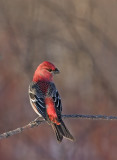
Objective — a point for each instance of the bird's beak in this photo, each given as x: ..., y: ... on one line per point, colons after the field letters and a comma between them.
x: 56, y: 71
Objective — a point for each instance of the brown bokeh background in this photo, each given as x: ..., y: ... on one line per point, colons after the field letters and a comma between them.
x: 80, y: 38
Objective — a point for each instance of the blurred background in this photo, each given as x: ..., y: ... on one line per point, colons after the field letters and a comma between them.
x: 80, y: 38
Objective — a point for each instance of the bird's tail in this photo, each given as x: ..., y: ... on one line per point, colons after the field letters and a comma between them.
x: 61, y: 131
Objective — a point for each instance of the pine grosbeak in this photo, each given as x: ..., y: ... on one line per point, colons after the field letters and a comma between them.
x: 46, y: 101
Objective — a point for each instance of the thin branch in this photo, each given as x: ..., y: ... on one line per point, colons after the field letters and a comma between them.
x: 96, y: 117
x: 37, y: 122
x: 21, y: 129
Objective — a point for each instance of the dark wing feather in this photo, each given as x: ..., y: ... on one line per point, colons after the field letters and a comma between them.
x: 58, y: 105
x: 37, y: 101
x: 40, y: 105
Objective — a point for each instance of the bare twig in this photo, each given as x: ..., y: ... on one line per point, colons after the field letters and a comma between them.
x: 21, y: 129
x: 96, y: 117
x: 37, y: 122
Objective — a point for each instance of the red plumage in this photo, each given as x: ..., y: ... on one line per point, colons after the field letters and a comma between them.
x: 51, y: 110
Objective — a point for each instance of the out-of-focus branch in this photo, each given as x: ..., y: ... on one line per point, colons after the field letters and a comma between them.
x: 37, y: 122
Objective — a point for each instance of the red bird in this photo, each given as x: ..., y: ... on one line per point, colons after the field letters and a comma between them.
x: 46, y: 101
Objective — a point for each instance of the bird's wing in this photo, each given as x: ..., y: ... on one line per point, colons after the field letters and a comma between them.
x: 37, y: 100
x: 57, y: 101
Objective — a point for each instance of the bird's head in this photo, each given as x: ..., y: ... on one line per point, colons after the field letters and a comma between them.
x: 45, y: 71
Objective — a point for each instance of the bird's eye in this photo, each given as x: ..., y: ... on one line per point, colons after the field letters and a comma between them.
x: 49, y: 70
